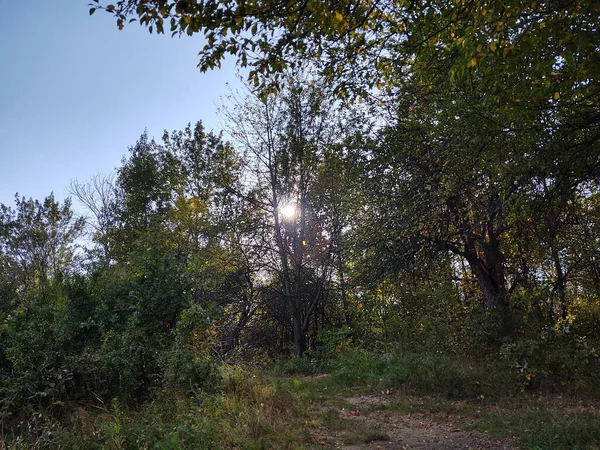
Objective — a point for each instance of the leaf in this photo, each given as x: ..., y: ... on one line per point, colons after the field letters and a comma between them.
x: 556, y: 95
x: 92, y: 11
x: 473, y: 62
x: 110, y: 8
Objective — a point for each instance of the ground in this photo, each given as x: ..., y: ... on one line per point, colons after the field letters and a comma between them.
x: 374, y: 421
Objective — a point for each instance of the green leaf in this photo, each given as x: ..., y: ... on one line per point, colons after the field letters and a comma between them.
x: 92, y: 11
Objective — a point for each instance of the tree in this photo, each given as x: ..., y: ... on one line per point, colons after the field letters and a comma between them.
x: 441, y: 184
x: 464, y: 170
x: 98, y: 196
x: 286, y: 136
x: 38, y: 240
x: 209, y: 172
x: 362, y: 45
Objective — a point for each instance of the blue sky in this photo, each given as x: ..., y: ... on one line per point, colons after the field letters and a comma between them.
x: 75, y: 92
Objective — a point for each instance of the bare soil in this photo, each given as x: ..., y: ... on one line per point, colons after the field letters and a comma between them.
x: 394, y: 430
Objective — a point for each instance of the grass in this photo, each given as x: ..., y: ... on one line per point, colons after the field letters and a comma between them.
x: 362, y: 436
x: 536, y: 423
x: 541, y: 427
x: 480, y: 396
x: 306, y: 411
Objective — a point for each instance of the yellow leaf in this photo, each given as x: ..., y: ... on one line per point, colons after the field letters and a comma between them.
x: 473, y: 62
x: 493, y: 46
x: 556, y: 95
x: 339, y: 17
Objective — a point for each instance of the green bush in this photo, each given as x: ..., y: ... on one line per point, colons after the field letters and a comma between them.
x: 357, y: 366
x: 38, y: 344
x: 426, y: 372
x: 299, y: 366
x: 183, y: 370
x: 553, y: 362
x: 332, y: 341
x: 126, y: 365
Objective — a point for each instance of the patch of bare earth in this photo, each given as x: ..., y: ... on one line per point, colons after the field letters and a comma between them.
x: 402, y: 430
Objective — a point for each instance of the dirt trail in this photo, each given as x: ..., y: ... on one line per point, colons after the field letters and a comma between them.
x: 393, y: 430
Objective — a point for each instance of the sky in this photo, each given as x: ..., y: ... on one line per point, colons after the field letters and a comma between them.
x: 75, y: 93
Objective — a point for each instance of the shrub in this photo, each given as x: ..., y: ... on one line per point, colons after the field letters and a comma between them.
x: 332, y: 341
x: 299, y: 366
x: 126, y: 365
x: 357, y: 366
x: 183, y: 370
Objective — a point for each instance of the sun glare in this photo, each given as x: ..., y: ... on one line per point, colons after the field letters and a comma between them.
x: 288, y: 211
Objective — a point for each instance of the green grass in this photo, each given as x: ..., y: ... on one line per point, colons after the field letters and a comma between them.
x: 537, y: 424
x: 541, y: 427
x: 259, y: 410
x: 361, y: 435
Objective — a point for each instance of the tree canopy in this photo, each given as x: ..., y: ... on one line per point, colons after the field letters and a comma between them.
x: 546, y: 49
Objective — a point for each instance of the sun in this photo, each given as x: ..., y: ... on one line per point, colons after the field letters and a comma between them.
x: 288, y: 211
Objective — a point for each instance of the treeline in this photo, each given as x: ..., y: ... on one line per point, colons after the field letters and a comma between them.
x: 316, y: 230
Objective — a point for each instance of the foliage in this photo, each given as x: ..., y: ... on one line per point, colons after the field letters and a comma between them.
x: 299, y: 366
x: 37, y: 243
x: 332, y: 341
x: 182, y: 369
x: 363, y: 45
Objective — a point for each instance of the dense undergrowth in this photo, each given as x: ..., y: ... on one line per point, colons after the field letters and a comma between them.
x: 252, y: 407
x: 76, y: 374
x: 94, y: 381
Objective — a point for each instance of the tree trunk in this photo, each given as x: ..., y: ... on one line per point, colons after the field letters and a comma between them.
x: 560, y: 283
x: 488, y: 268
x: 299, y: 348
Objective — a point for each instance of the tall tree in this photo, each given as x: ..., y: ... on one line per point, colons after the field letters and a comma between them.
x: 38, y: 240
x: 98, y: 196
x: 286, y: 135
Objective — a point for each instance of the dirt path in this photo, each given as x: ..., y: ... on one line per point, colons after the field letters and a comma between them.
x: 366, y: 422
